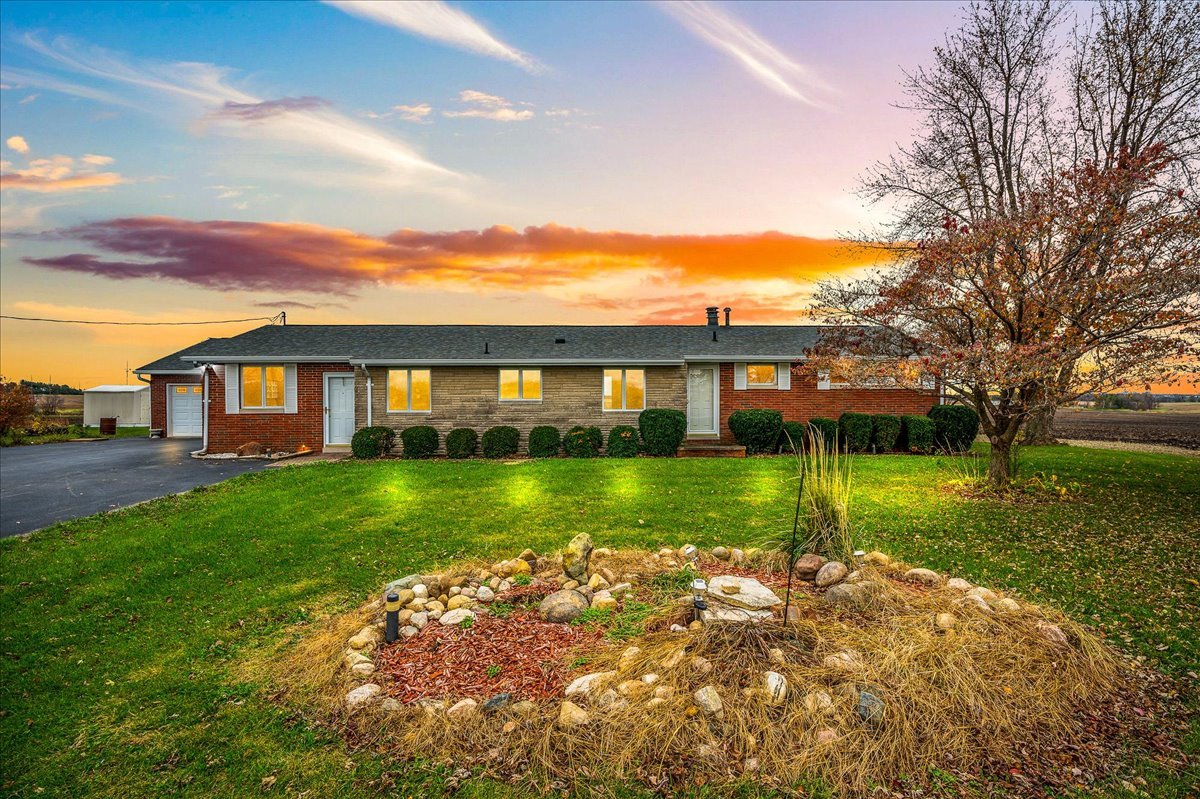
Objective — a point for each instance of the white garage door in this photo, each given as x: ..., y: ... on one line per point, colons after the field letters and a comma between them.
x: 184, y: 411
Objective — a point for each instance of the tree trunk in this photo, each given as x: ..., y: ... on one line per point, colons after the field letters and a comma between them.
x: 1039, y: 430
x: 999, y: 466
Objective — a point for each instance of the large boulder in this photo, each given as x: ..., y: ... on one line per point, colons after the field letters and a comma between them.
x: 563, y: 606
x: 831, y: 573
x: 807, y: 566
x: 575, y: 557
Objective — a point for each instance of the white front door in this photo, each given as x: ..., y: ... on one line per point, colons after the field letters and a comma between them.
x: 185, y: 411
x: 702, y: 399
x: 339, y: 409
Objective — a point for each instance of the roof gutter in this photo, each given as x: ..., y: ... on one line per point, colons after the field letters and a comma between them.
x: 515, y: 361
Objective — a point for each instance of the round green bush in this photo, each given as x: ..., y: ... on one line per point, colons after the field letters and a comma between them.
x: 373, y: 442
x: 757, y: 429
x: 663, y: 430
x: 623, y: 442
x: 916, y: 434
x: 544, y: 442
x: 954, y: 427
x: 791, y: 437
x: 856, y: 431
x: 500, y: 442
x: 583, y: 442
x: 461, y: 442
x: 885, y: 429
x: 420, y: 441
x: 827, y: 429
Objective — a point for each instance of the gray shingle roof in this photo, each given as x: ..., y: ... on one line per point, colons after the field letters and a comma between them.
x: 501, y: 343
x: 173, y: 362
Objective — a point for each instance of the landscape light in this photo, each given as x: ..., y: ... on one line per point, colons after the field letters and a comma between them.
x: 858, y: 557
x: 698, y: 603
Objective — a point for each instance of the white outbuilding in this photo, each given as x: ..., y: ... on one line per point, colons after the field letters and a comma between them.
x: 129, y: 404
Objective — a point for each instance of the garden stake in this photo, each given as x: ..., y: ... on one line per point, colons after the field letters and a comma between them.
x: 787, y: 597
x: 393, y: 618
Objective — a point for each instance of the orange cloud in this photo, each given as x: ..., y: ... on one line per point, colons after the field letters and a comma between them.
x: 302, y: 257
x: 96, y: 180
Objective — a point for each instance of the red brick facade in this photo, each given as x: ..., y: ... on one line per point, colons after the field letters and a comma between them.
x: 158, y: 397
x: 274, y: 429
x: 804, y: 400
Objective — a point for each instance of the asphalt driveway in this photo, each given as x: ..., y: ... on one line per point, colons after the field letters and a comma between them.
x: 48, y: 483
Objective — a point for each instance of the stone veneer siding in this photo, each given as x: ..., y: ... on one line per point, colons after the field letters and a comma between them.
x: 468, y: 396
x: 158, y: 397
x: 274, y: 429
x: 805, y: 401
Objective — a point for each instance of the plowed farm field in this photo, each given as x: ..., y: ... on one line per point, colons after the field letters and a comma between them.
x: 1171, y: 426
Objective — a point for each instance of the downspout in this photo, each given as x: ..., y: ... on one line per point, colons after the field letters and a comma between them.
x: 204, y: 402
x: 368, y: 371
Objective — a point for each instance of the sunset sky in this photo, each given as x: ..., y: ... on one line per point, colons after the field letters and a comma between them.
x: 430, y: 163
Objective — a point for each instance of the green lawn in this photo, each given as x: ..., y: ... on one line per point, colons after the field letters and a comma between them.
x: 123, y: 635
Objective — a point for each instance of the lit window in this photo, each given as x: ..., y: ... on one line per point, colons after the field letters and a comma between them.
x: 180, y: 389
x: 408, y: 390
x: 262, y: 386
x: 624, y: 389
x: 520, y: 384
x: 760, y: 374
x: 197, y: 390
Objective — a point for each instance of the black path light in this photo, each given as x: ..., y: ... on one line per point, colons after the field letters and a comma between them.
x: 393, y: 617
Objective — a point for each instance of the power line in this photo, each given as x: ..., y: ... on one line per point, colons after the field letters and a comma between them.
x: 274, y: 318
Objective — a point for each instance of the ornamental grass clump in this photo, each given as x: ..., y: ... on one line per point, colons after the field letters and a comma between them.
x: 825, y: 501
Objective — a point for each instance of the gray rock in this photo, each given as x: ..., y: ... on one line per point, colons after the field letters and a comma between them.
x: 418, y: 620
x: 870, y: 708
x: 709, y: 700
x: 848, y: 594
x: 720, y: 553
x: 484, y: 594
x: 497, y: 703
x: 575, y: 557
x: 563, y: 606
x: 363, y: 695
x: 582, y: 686
x: 409, y: 631
x: 831, y: 573
x: 924, y: 576
x: 406, y: 583
x: 750, y: 593
x: 456, y: 616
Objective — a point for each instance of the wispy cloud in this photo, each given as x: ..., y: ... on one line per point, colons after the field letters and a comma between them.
x: 758, y: 57
x: 440, y: 22
x: 414, y: 113
x: 203, y: 93
x: 59, y: 173
x: 18, y: 144
x: 489, y: 106
x: 569, y: 265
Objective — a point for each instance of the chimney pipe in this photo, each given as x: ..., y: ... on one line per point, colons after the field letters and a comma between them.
x: 712, y: 316
x: 727, y: 310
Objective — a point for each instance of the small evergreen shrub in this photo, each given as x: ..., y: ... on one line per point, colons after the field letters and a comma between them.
x: 916, y: 434
x: 885, y: 429
x: 583, y: 442
x: 826, y: 428
x: 663, y: 430
x: 623, y: 442
x: 500, y: 442
x: 420, y: 441
x: 791, y: 437
x: 373, y: 442
x: 461, y: 442
x: 856, y: 431
x: 954, y: 427
x: 544, y: 442
x: 756, y: 429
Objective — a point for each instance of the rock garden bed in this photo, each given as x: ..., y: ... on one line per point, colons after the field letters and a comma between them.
x: 592, y: 665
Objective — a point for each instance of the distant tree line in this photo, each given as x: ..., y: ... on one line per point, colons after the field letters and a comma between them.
x: 38, y: 387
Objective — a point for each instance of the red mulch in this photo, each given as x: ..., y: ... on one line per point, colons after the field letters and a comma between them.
x: 537, y: 590
x: 452, y: 661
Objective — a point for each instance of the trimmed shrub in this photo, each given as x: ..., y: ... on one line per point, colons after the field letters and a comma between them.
x: 461, y: 442
x: 756, y: 429
x: 500, y: 442
x: 954, y: 427
x: 583, y: 442
x: 373, y: 442
x: 916, y: 434
x: 420, y: 441
x: 791, y: 437
x: 856, y: 431
x: 623, y: 442
x: 544, y: 442
x: 885, y: 429
x: 827, y: 428
x: 663, y: 430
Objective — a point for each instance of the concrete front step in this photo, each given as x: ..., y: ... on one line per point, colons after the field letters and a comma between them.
x: 710, y: 448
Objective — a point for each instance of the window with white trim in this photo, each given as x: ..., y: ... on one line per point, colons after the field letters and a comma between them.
x: 624, y: 389
x: 408, y: 391
x: 761, y: 374
x: 262, y: 387
x: 520, y: 384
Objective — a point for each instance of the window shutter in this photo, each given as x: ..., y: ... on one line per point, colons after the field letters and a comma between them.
x: 233, y: 388
x: 783, y: 376
x: 289, y: 388
x: 739, y: 376
x: 823, y: 381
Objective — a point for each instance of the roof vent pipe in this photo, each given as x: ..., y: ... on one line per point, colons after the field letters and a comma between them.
x: 727, y: 310
x: 712, y: 316
x: 485, y: 348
